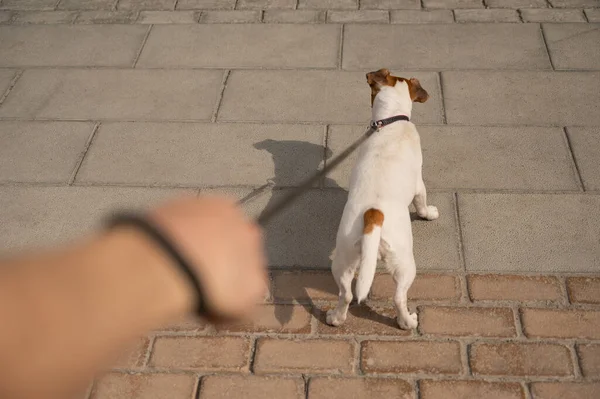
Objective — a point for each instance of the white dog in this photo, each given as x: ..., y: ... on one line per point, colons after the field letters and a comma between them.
x: 385, y: 180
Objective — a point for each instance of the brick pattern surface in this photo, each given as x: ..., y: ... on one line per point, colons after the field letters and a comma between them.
x: 112, y: 103
x: 462, y: 341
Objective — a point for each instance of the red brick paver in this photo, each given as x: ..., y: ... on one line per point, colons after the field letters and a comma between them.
x: 304, y: 356
x: 506, y: 336
x: 482, y: 322
x: 251, y: 387
x: 492, y: 287
x: 521, y: 359
x: 145, y: 386
x: 206, y: 353
x: 470, y: 389
x: 584, y: 289
x: 408, y: 357
x: 359, y: 388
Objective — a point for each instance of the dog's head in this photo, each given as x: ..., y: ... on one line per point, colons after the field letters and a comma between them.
x: 383, y: 80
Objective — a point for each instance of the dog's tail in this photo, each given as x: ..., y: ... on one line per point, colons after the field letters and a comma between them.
x: 373, y: 222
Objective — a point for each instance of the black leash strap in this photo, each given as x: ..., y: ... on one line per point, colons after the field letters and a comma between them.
x: 155, y: 234
x: 270, y: 212
x: 289, y: 198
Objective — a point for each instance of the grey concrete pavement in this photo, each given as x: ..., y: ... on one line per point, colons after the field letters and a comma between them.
x: 111, y: 104
x: 105, y: 102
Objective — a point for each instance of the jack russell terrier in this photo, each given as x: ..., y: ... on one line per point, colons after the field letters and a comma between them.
x: 386, y: 178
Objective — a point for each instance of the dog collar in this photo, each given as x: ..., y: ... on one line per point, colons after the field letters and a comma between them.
x: 384, y: 122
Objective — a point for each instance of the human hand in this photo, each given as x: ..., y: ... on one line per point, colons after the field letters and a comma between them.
x: 224, y: 248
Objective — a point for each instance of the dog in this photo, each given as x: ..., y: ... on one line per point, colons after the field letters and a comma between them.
x: 386, y: 178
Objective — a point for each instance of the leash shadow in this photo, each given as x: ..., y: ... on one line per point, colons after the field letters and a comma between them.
x: 303, y: 235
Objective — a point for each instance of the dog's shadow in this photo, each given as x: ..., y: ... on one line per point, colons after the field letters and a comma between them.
x: 306, y: 230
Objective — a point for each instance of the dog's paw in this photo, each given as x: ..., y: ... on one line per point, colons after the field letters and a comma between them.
x: 334, y: 318
x: 432, y: 213
x: 411, y: 322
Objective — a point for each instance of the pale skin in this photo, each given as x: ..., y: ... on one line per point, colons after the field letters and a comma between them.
x: 67, y: 314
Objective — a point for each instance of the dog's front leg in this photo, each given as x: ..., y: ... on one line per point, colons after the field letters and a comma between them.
x: 425, y: 211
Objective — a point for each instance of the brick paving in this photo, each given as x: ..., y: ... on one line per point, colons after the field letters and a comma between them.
x: 107, y: 103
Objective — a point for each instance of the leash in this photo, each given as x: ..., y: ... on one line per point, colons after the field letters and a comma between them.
x: 288, y: 199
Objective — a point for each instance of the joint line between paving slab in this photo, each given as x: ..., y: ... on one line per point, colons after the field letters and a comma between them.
x: 577, y: 369
x: 139, y: 53
x: 564, y: 288
x: 526, y: 390
x: 215, y: 113
x: 252, y: 354
x: 465, y: 348
x: 574, y: 163
x: 12, y: 84
x: 198, y: 387
x: 83, y: 154
x: 306, y: 379
x: 146, y: 360
x: 461, y: 251
x: 517, y: 321
x: 546, y: 47
x: 341, y: 47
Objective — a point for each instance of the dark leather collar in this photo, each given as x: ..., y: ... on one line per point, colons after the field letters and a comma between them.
x: 384, y: 122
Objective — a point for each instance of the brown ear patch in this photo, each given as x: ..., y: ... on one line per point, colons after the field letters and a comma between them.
x: 417, y: 93
x: 373, y: 217
x: 382, y: 77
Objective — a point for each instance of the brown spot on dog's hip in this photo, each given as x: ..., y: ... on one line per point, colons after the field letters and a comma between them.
x: 373, y: 217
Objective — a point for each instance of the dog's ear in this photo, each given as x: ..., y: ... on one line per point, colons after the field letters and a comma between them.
x: 417, y: 93
x: 380, y: 77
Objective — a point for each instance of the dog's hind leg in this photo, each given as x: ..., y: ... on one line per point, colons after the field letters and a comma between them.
x: 425, y: 211
x: 343, y: 268
x: 403, y: 270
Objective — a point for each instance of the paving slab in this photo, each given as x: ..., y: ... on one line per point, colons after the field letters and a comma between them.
x: 203, y: 154
x: 114, y: 94
x: 304, y: 235
x: 146, y: 4
x: 206, y: 4
x: 497, y: 158
x: 586, y: 148
x: 446, y: 46
x: 43, y: 216
x: 531, y: 232
x: 333, y: 4
x: 552, y: 15
x: 86, y: 4
x: 41, y: 151
x: 67, y: 45
x: 390, y: 4
x: 573, y: 46
x: 265, y: 4
x: 520, y: 97
x: 28, y: 4
x: 313, y: 96
x: 242, y: 46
